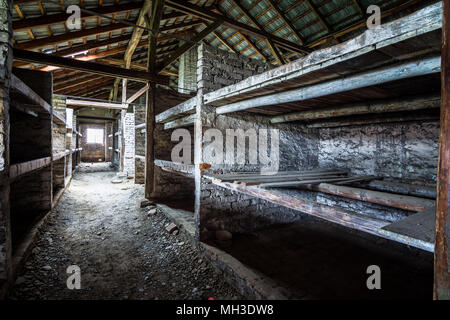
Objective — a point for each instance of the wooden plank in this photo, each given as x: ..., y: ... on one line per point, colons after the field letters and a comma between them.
x: 19, y: 169
x: 95, y: 104
x: 402, y: 188
x: 382, y: 198
x: 182, y: 122
x: 153, y: 24
x: 419, y: 23
x: 289, y: 184
x: 398, y: 72
x: 242, y: 175
x: 58, y: 118
x: 284, y: 177
x: 332, y: 214
x: 86, y: 66
x: 396, y: 105
x: 374, y: 120
x: 417, y: 230
x: 175, y: 166
x: 442, y: 228
x: 138, y: 93
x: 20, y: 87
x: 180, y: 110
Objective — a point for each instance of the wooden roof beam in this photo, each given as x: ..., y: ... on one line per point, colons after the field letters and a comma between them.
x: 54, y: 40
x: 62, y: 17
x: 191, y: 43
x: 286, y: 21
x: 86, y: 66
x: 276, y: 54
x: 205, y: 14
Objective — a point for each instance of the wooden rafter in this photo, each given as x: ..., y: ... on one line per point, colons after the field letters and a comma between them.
x: 191, y: 43
x: 86, y: 66
x: 62, y: 17
x: 285, y: 20
x: 201, y: 13
x: 270, y: 44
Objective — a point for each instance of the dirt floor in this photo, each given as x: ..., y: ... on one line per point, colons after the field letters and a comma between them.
x: 122, y: 251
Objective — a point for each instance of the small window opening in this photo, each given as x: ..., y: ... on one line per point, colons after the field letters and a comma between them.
x: 95, y: 136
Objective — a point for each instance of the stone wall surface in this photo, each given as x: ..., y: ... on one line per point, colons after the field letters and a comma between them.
x: 6, y: 35
x: 403, y: 152
x: 129, y: 136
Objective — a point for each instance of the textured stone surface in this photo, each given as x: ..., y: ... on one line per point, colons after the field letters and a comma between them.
x: 129, y: 136
x: 405, y: 152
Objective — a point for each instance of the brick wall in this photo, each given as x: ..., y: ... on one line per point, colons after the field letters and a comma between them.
x: 129, y: 136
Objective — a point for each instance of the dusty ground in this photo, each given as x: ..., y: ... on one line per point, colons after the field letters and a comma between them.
x: 123, y: 252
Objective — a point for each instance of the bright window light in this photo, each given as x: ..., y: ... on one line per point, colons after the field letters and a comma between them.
x: 95, y: 136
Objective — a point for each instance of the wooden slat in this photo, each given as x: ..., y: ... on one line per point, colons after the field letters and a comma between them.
x: 382, y: 198
x: 364, y: 79
x: 416, y: 230
x: 20, y: 87
x: 175, y: 166
x: 19, y: 169
x: 332, y: 214
x: 389, y: 35
x: 180, y: 110
x: 289, y: 184
x: 181, y: 122
x: 363, y: 108
x: 95, y: 104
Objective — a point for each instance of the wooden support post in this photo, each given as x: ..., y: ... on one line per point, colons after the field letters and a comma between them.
x: 122, y: 127
x: 153, y: 24
x: 442, y: 230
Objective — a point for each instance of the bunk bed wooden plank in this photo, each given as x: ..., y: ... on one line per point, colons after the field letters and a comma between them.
x: 243, y: 175
x: 332, y: 214
x: 175, y: 166
x: 401, y: 188
x: 58, y: 118
x: 18, y: 169
x: 383, y: 198
x: 181, y: 122
x: 276, y: 179
x: 179, y: 110
x: 416, y: 230
x: 294, y: 74
x: 20, y: 87
x: 289, y: 184
x: 406, y: 70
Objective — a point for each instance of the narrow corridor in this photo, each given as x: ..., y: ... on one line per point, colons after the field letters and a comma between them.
x: 123, y: 252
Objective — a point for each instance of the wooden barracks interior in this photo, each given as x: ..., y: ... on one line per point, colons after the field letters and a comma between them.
x: 109, y: 110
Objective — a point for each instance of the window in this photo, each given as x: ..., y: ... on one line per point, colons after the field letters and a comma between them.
x: 95, y: 136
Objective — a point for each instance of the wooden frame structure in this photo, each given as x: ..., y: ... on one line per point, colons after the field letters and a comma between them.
x: 255, y: 94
